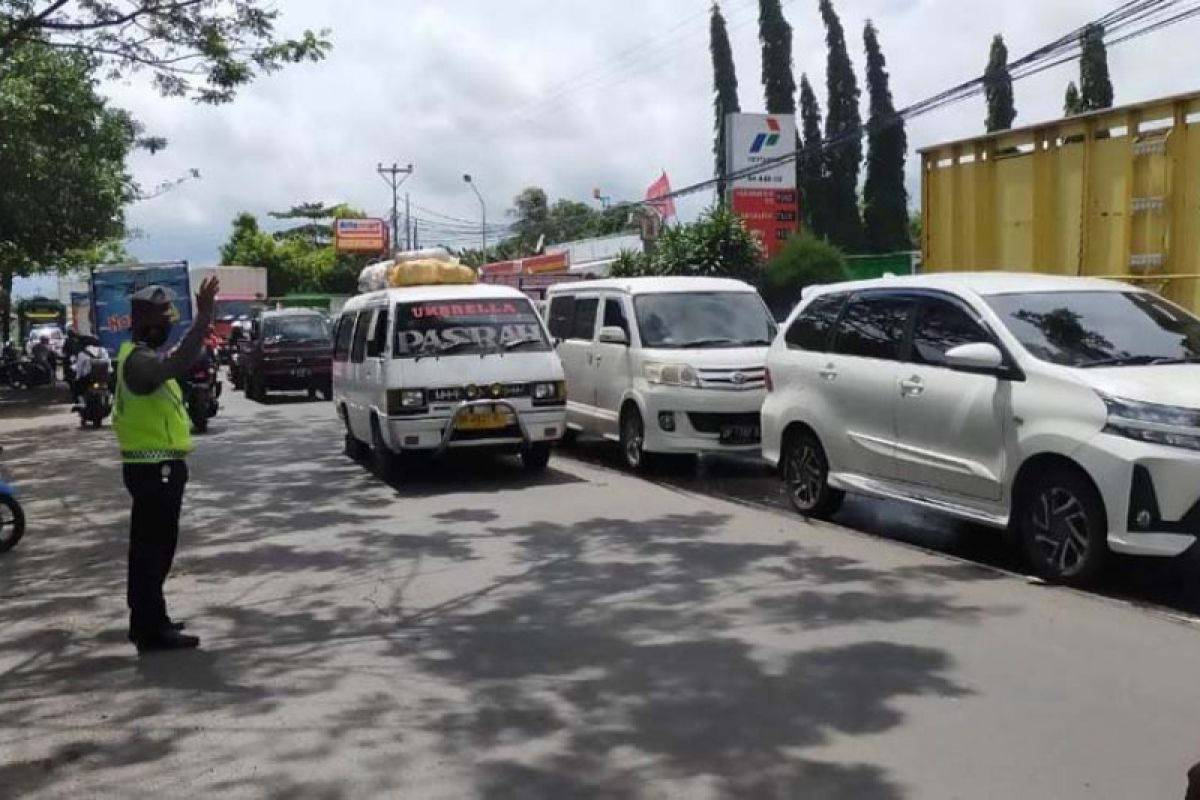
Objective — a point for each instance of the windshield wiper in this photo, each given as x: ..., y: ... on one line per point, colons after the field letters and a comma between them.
x: 1138, y: 361
x: 714, y: 342
x: 515, y: 343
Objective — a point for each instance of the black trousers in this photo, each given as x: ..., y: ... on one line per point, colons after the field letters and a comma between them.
x: 157, y: 491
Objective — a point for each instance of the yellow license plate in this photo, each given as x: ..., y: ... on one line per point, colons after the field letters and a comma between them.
x: 482, y: 422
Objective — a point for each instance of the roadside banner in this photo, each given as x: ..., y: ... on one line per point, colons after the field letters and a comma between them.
x: 360, y: 236
x: 111, y: 292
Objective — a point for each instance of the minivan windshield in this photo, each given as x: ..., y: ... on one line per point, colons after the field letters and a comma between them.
x: 1100, y: 329
x: 295, y: 329
x: 465, y: 327
x: 699, y: 320
x: 229, y: 310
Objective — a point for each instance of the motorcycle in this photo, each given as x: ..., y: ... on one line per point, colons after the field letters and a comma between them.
x: 26, y: 373
x: 95, y: 389
x: 12, y: 518
x: 203, y: 391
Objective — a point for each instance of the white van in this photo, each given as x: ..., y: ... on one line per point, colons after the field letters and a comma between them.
x: 663, y: 365
x: 429, y: 368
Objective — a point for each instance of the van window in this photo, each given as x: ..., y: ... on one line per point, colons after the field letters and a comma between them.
x: 377, y: 345
x: 584, y: 324
x: 703, y: 320
x: 614, y: 315
x: 345, y: 330
x: 562, y: 315
x: 873, y: 327
x: 813, y: 329
x: 361, y: 330
x: 468, y: 327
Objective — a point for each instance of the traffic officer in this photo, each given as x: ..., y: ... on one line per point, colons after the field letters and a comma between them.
x: 154, y: 431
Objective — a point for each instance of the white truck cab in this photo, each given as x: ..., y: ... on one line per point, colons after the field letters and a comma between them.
x: 432, y: 368
x: 671, y: 365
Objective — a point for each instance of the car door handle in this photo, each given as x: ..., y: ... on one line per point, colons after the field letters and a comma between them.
x: 829, y: 373
x: 912, y: 387
x: 591, y: 359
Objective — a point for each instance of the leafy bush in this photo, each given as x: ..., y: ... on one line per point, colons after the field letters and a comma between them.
x: 716, y: 245
x: 630, y: 264
x: 804, y: 261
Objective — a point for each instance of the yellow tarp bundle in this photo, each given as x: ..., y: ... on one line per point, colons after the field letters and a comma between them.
x: 429, y: 272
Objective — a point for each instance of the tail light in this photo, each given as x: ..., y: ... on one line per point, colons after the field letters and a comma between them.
x: 767, y: 378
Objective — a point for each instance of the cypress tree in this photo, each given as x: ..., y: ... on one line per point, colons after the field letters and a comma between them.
x: 725, y: 90
x: 885, y: 199
x: 1072, y: 104
x: 998, y: 86
x: 811, y: 174
x: 1095, y: 86
x: 842, y: 125
x: 775, y: 34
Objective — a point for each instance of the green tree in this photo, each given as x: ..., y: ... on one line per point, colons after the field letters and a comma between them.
x: 725, y: 91
x: 1095, y: 85
x: 630, y: 264
x: 842, y: 126
x: 998, y: 88
x: 63, y: 180
x: 1072, y: 103
x: 715, y: 245
x: 775, y: 35
x: 204, y: 49
x: 319, y: 228
x: 811, y: 178
x: 805, y: 260
x: 885, y: 198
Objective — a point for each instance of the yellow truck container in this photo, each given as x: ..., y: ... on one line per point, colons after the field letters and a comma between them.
x: 1112, y: 194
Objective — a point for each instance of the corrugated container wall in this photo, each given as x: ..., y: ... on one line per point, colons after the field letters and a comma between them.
x: 1113, y: 194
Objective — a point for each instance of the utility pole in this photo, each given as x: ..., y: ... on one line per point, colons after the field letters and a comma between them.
x: 408, y: 233
x: 467, y: 179
x: 392, y: 177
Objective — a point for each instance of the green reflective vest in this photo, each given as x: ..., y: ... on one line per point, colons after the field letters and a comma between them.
x: 150, y: 427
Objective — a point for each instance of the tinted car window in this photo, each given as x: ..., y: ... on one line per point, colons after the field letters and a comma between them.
x: 813, y: 329
x: 941, y: 327
x: 584, y: 325
x: 295, y: 329
x: 873, y: 327
x: 704, y: 320
x: 1100, y: 329
x: 614, y: 315
x: 562, y: 316
x: 341, y: 348
x: 361, y: 331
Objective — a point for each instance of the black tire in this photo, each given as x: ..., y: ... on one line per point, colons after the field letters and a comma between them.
x: 97, y: 422
x: 570, y: 437
x: 384, y: 463
x: 200, y: 423
x: 12, y: 523
x: 327, y: 394
x: 536, y: 457
x: 1063, y: 526
x: 806, y: 477
x: 312, y: 395
x: 633, y: 439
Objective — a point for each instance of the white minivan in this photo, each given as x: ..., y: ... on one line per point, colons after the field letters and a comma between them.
x: 670, y: 365
x: 1064, y: 409
x: 425, y: 369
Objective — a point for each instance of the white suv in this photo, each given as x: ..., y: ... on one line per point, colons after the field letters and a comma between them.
x: 1066, y: 410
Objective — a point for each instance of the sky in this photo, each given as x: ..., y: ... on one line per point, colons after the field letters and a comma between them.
x: 568, y: 95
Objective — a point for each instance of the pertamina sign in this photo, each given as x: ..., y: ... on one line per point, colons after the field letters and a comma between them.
x: 767, y: 200
x: 360, y: 236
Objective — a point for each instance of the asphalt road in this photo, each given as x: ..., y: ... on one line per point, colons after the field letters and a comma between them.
x: 474, y: 632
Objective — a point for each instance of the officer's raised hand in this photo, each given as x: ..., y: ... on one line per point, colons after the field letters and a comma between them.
x: 206, y: 298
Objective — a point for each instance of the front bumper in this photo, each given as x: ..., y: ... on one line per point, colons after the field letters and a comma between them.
x: 439, y: 431
x: 1151, y: 493
x: 699, y: 415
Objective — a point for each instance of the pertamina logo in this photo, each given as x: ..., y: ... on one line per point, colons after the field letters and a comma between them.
x: 768, y: 139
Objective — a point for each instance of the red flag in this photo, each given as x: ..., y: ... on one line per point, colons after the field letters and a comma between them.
x: 658, y: 197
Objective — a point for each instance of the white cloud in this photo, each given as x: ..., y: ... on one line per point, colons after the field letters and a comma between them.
x: 567, y: 95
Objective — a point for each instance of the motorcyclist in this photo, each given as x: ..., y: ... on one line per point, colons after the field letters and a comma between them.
x: 43, y: 357
x: 72, y: 346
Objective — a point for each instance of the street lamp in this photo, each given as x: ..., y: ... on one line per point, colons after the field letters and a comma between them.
x: 482, y: 211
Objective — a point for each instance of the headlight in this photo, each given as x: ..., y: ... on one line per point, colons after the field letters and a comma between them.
x: 546, y: 391
x: 1153, y: 423
x: 412, y: 398
x: 672, y: 375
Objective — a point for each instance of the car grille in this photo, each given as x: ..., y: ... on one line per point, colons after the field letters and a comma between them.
x: 735, y: 379
x: 713, y: 423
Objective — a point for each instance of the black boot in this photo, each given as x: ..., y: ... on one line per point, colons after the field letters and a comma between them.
x: 169, y: 639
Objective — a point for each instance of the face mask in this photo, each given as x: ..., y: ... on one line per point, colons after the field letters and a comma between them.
x: 155, y: 336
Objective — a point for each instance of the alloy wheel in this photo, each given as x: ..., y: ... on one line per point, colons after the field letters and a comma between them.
x: 1060, y: 530
x: 634, y: 440
x: 805, y: 476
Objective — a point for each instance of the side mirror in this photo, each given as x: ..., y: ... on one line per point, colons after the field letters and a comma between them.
x: 614, y: 335
x: 978, y: 357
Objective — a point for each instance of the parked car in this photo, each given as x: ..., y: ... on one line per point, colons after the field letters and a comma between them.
x: 53, y: 333
x: 1066, y: 410
x: 425, y: 369
x: 663, y: 365
x: 288, y: 350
